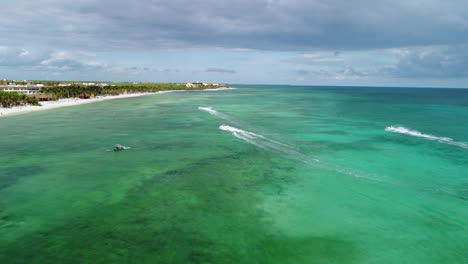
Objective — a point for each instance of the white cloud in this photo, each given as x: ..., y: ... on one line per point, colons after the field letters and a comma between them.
x: 430, y: 62
x: 71, y: 61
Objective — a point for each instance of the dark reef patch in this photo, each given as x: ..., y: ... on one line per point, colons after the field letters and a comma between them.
x: 10, y: 176
x: 205, y: 212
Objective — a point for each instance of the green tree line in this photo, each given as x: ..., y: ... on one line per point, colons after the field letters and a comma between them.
x: 8, y: 99
x: 88, y: 91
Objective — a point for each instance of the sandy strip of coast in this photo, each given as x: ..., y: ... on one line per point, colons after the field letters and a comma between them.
x: 4, y: 112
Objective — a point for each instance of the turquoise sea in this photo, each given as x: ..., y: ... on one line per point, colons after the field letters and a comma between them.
x: 258, y: 174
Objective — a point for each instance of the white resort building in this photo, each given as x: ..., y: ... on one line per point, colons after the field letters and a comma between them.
x: 194, y: 84
x: 22, y: 89
x: 199, y: 84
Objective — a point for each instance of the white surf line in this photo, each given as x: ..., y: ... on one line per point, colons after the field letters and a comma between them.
x: 414, y: 133
x: 213, y: 89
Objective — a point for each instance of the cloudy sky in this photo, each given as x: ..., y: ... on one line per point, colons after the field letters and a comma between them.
x: 316, y: 42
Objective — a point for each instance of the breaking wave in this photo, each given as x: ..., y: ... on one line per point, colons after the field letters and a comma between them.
x: 414, y: 133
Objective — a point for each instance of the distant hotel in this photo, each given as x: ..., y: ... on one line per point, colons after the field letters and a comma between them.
x: 28, y: 88
x: 23, y: 89
x: 199, y: 84
x: 33, y: 89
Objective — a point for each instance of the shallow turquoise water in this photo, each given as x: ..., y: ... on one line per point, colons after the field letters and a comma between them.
x: 294, y: 175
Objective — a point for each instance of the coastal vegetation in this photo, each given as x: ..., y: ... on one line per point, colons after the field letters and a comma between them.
x: 86, y: 91
x: 8, y: 99
x: 30, y: 92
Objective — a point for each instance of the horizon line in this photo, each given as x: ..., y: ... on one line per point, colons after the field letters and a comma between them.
x: 272, y: 84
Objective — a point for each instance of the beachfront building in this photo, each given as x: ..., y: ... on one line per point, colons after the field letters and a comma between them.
x: 43, y: 97
x: 194, y: 84
x: 93, y: 84
x: 199, y: 84
x: 22, y: 89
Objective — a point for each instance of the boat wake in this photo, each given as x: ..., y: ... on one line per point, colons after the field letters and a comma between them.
x: 414, y: 133
x: 261, y: 141
x: 211, y: 111
x: 283, y: 149
x: 208, y: 109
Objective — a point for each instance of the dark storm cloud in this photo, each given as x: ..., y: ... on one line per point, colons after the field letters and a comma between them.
x: 320, y: 29
x: 252, y: 24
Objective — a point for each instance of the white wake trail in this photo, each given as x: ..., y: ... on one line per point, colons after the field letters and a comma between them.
x: 260, y: 140
x: 208, y: 109
x: 285, y: 150
x: 289, y: 152
x: 211, y: 111
x: 415, y: 133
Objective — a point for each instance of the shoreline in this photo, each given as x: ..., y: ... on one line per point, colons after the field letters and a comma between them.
x: 17, y: 110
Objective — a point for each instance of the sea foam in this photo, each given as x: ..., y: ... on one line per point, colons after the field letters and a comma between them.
x: 415, y: 133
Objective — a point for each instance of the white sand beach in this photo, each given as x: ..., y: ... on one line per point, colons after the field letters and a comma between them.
x: 16, y: 110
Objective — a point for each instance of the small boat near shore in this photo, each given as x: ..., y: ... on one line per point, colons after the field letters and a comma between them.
x: 119, y: 147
